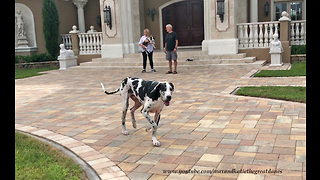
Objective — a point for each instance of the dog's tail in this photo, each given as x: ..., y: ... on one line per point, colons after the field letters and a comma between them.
x: 108, y: 93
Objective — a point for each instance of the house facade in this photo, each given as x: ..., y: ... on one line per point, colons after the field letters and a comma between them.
x: 195, y: 21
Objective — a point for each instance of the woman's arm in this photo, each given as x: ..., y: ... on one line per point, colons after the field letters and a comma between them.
x: 140, y: 43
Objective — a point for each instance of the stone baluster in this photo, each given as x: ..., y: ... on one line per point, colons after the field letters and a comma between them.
x: 297, y: 34
x: 64, y: 39
x: 92, y: 37
x: 94, y: 43
x: 85, y: 44
x: 292, y: 34
x: 69, y: 43
x: 81, y: 44
x: 250, y: 36
x: 240, y: 36
x: 266, y: 38
x: 97, y: 42
x: 302, y: 33
x: 255, y: 36
x: 260, y: 35
x: 245, y: 36
x: 276, y: 29
x: 89, y: 43
x: 270, y: 32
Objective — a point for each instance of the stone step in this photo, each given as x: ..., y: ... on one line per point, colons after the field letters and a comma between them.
x: 183, y: 55
x: 163, y: 62
x: 256, y: 64
x: 161, y: 53
x: 180, y: 58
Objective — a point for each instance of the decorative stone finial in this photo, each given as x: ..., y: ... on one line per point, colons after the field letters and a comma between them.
x: 285, y: 16
x: 74, y: 29
x: 92, y: 30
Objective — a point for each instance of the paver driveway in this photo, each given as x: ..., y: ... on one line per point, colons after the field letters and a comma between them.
x: 204, y: 127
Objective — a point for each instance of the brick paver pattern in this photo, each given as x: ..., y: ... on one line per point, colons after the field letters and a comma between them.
x: 204, y: 128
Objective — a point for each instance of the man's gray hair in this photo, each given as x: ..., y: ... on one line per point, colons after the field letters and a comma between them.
x: 169, y: 25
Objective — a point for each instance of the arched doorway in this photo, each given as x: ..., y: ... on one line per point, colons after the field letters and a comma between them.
x: 187, y: 19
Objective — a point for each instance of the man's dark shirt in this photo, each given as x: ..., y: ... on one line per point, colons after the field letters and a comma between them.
x: 171, y: 40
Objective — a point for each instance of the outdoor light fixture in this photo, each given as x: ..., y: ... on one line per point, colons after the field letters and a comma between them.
x: 266, y: 9
x: 152, y: 13
x: 107, y: 16
x: 220, y: 9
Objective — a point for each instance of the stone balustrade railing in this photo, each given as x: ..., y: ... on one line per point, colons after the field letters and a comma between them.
x: 66, y: 40
x: 298, y: 32
x: 256, y: 35
x: 90, y: 43
x: 259, y: 35
x: 83, y: 43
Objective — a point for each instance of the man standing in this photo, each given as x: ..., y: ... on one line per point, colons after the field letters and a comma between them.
x: 170, y: 48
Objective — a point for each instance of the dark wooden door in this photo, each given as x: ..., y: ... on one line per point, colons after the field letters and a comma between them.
x: 187, y: 19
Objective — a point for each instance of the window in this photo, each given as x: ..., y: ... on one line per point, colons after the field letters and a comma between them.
x: 296, y: 11
x: 293, y: 8
x: 280, y: 7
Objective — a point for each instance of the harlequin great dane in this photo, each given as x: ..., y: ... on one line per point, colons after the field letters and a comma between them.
x: 144, y: 93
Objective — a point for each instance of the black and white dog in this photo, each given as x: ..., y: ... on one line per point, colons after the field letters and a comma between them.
x: 146, y: 93
x: 151, y: 41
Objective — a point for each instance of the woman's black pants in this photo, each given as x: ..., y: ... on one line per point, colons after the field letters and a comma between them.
x: 144, y: 54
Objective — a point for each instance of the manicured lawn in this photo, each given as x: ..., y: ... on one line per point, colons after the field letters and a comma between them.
x: 297, y: 69
x: 288, y: 93
x: 24, y: 73
x: 37, y: 160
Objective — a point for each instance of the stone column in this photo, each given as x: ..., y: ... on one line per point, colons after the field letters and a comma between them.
x: 285, y: 36
x: 80, y: 4
x: 111, y: 46
x: 126, y: 26
x: 75, y: 40
x: 253, y: 11
x: 220, y: 37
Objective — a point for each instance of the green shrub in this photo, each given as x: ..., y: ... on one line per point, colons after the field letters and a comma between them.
x: 51, y: 23
x: 299, y: 49
x: 35, y: 58
x: 16, y: 60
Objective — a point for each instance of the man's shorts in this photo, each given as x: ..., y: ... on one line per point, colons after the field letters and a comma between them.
x: 171, y: 55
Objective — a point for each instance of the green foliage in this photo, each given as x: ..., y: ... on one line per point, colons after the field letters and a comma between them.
x: 37, y: 160
x: 35, y: 58
x: 288, y: 93
x: 24, y: 73
x: 299, y: 49
x: 297, y: 69
x: 51, y: 23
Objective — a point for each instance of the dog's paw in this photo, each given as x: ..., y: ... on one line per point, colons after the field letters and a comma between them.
x: 125, y: 132
x: 156, y: 143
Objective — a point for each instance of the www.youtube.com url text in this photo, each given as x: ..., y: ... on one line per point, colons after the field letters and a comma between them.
x: 212, y: 171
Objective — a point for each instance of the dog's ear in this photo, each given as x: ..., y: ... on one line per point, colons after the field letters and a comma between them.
x: 158, y: 87
x: 171, y: 86
x: 161, y: 86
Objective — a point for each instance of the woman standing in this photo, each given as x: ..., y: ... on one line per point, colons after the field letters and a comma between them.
x: 147, y: 50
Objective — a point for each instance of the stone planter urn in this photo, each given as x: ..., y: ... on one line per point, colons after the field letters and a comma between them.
x: 66, y: 58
